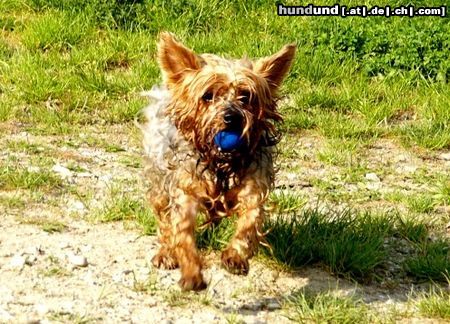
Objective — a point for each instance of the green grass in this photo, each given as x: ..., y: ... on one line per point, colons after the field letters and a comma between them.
x: 421, y: 203
x: 47, y: 225
x: 309, y: 307
x: 12, y: 178
x: 83, y: 62
x: 435, y: 304
x: 431, y: 261
x: 215, y: 237
x: 13, y: 202
x: 412, y: 229
x: 284, y: 201
x: 347, y: 243
x: 122, y: 207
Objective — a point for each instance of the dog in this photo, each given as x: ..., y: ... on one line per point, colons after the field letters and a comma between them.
x: 190, y: 169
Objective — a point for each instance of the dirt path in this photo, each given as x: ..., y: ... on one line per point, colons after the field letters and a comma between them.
x: 40, y: 279
x: 81, y: 271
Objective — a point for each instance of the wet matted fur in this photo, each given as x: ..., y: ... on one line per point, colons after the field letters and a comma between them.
x: 188, y: 173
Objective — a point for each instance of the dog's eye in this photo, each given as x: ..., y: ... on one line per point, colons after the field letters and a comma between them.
x: 244, y: 97
x: 208, y: 96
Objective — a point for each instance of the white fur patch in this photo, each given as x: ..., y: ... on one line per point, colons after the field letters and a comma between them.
x: 161, y: 138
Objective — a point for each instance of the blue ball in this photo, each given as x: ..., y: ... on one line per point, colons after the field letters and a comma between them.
x: 228, y: 140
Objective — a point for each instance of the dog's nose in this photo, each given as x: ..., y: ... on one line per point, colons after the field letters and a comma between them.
x: 231, y: 117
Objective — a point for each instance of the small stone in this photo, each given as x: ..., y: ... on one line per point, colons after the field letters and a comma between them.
x: 86, y: 248
x: 273, y: 305
x: 41, y: 309
x: 372, y: 177
x: 373, y: 186
x: 407, y: 169
x: 257, y: 305
x: 77, y: 205
x: 30, y: 259
x: 445, y: 156
x: 5, y: 316
x: 64, y: 245
x: 18, y: 261
x: 78, y: 260
x: 84, y: 175
x: 63, y: 172
x: 401, y: 158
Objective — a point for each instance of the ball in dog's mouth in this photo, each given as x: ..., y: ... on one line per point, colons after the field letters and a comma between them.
x: 228, y: 140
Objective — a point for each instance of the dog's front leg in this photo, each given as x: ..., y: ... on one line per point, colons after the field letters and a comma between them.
x: 183, y: 213
x: 244, y: 244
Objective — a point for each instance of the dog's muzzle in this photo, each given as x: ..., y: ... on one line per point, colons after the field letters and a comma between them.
x: 232, y: 118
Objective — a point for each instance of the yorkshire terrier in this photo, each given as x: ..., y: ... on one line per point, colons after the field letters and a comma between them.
x: 209, y: 140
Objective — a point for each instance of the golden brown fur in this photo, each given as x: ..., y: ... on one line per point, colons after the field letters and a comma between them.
x: 188, y: 173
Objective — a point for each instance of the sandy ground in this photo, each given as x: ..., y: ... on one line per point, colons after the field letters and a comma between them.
x: 100, y: 272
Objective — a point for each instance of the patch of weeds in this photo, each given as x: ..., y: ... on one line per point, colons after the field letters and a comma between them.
x: 49, y: 226
x: 72, y: 166
x: 21, y: 178
x: 97, y: 142
x: 435, y: 304
x: 234, y: 318
x: 121, y: 207
x: 429, y: 134
x: 421, y: 203
x: 68, y: 317
x: 346, y: 242
x: 113, y: 148
x: 56, y: 30
x: 412, y: 229
x: 286, y: 202
x: 216, y: 236
x: 177, y: 298
x: 55, y: 269
x: 13, y: 202
x: 122, y: 112
x: 27, y: 147
x: 131, y: 162
x: 354, y: 173
x: 6, y: 110
x: 340, y: 152
x: 296, y: 119
x: 344, y: 127
x: 331, y: 190
x: 148, y: 286
x: 441, y: 193
x: 326, y: 307
x: 395, y: 196
x: 432, y: 260
x: 53, y: 227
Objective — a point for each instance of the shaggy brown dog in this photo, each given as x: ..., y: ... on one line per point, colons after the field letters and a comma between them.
x: 189, y: 170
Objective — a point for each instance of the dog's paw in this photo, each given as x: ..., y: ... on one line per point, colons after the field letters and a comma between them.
x: 163, y: 260
x: 234, y: 263
x: 192, y: 282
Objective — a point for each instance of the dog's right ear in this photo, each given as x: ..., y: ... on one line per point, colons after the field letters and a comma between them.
x: 175, y: 59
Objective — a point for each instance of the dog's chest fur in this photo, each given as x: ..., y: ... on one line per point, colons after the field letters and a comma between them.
x: 168, y: 154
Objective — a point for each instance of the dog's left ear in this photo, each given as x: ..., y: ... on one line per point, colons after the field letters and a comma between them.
x: 275, y: 68
x: 175, y: 58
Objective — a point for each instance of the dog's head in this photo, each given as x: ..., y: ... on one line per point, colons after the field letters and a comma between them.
x: 211, y: 94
